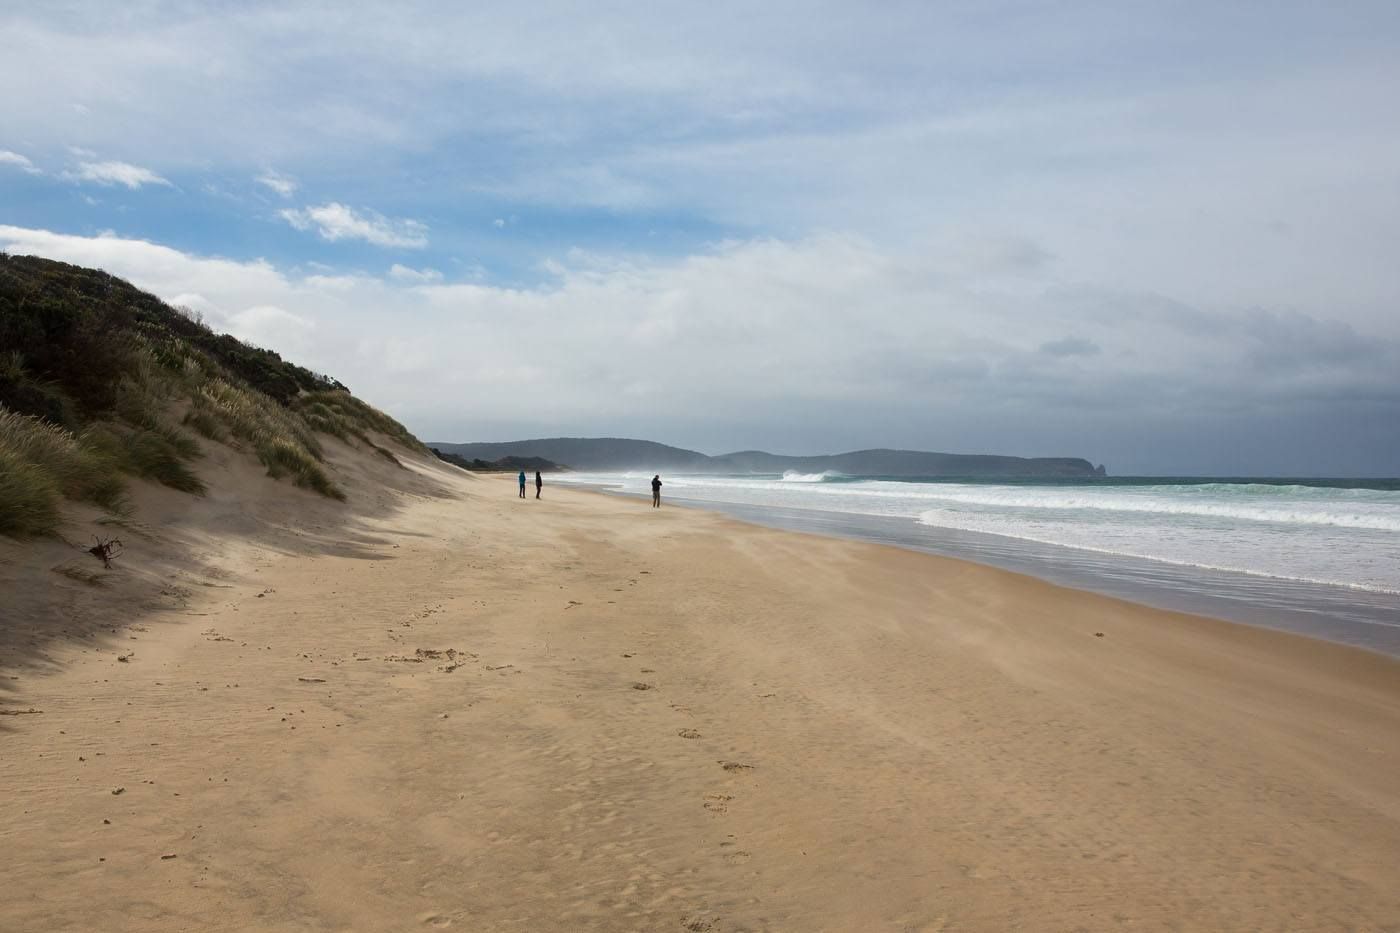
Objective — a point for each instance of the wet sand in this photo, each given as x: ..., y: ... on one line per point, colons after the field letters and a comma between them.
x: 463, y: 710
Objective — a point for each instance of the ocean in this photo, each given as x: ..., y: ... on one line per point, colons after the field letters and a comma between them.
x: 1313, y: 556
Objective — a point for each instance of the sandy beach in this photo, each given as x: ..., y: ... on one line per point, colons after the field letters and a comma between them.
x: 445, y: 707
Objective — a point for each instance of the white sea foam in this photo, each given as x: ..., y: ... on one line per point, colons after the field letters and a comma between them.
x: 1343, y: 537
x: 1285, y: 505
x: 1148, y: 547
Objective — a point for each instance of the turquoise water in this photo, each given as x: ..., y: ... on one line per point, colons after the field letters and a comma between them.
x: 1325, y: 553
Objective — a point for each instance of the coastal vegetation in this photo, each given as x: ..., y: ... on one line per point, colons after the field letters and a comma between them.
x: 503, y: 465
x: 100, y: 381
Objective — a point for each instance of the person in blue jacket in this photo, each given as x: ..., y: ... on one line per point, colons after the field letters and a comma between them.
x: 522, y: 484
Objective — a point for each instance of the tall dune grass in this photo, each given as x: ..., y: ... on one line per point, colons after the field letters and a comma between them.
x: 76, y: 469
x: 29, y: 499
x: 159, y: 453
x: 337, y: 412
x: 282, y: 439
x: 40, y: 464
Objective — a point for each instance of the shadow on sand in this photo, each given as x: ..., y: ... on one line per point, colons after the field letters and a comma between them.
x: 177, y: 549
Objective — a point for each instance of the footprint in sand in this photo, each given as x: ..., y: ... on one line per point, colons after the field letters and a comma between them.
x: 688, y: 734
x: 641, y: 686
x: 434, y: 920
x: 717, y: 803
x: 735, y: 767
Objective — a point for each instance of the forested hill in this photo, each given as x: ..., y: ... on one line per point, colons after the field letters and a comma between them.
x: 588, y: 453
x: 612, y: 453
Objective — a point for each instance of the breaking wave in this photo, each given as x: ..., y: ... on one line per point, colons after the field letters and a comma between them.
x: 1283, y: 505
x: 792, y: 476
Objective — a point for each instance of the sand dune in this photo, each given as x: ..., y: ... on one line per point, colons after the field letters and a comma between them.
x: 447, y: 707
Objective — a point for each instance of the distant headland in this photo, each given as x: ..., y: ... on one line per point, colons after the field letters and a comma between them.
x: 616, y: 453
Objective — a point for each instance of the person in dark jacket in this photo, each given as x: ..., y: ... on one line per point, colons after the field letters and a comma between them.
x: 522, y: 484
x: 539, y: 484
x: 656, y: 491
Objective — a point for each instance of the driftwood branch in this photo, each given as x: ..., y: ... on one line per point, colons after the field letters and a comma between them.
x: 105, y: 550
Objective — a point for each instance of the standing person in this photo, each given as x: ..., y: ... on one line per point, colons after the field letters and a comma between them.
x: 656, y: 491
x: 539, y: 484
x: 522, y: 484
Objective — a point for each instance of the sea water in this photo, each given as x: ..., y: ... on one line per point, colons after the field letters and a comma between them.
x: 1321, y: 557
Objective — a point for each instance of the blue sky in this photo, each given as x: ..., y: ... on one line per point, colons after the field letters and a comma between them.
x: 1158, y: 235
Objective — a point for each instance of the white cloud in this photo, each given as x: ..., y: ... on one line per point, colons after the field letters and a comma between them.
x: 414, y: 276
x: 18, y: 161
x: 195, y: 302
x: 115, y: 173
x: 167, y: 272
x: 272, y: 327
x: 884, y: 125
x: 284, y: 185
x: 335, y: 221
x: 834, y: 340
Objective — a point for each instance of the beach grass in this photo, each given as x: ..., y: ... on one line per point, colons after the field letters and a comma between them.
x: 283, y: 439
x: 95, y: 371
x: 29, y: 498
x: 74, y: 467
x: 338, y: 413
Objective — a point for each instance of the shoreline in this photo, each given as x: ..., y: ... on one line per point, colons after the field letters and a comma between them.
x: 566, y: 714
x: 1365, y: 619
